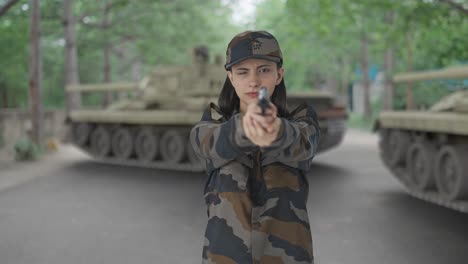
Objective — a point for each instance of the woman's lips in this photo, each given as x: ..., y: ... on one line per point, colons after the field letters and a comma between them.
x: 253, y: 95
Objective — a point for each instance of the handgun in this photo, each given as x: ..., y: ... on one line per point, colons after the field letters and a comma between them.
x: 263, y: 99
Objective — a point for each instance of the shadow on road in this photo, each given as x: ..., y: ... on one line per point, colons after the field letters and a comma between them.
x: 419, y: 211
x: 319, y: 171
x: 90, y: 167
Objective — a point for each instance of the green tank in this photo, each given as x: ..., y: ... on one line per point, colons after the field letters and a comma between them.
x: 427, y: 151
x: 152, y: 128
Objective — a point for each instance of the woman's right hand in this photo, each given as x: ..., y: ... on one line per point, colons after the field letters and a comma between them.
x: 262, y: 130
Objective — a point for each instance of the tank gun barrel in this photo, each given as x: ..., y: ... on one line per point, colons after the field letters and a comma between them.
x: 448, y: 73
x: 113, y: 87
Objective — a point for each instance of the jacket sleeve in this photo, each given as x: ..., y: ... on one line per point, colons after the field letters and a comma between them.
x: 297, y: 142
x: 219, y: 143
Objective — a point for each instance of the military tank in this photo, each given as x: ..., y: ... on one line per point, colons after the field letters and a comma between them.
x: 427, y: 151
x: 152, y: 128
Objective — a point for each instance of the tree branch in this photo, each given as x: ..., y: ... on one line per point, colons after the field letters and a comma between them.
x: 456, y: 6
x: 7, y: 6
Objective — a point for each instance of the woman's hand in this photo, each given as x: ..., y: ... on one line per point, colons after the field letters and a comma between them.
x: 261, y: 130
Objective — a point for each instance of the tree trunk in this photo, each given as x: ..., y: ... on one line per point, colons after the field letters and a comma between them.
x: 332, y: 85
x: 388, y: 93
x: 7, y: 6
x: 107, y: 53
x: 409, y: 88
x: 345, y: 76
x: 4, y: 98
x: 365, y: 74
x: 121, y: 51
x: 35, y: 73
x: 136, y: 70
x: 73, y: 100
x: 122, y: 54
x: 388, y: 83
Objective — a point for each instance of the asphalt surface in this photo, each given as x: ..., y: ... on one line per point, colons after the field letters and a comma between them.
x: 69, y: 209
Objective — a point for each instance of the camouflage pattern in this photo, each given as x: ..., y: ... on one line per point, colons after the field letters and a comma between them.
x: 253, y: 44
x: 256, y: 197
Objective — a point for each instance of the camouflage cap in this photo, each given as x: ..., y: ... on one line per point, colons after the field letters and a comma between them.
x: 253, y: 44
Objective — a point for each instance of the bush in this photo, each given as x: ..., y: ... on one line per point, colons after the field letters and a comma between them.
x: 26, y: 150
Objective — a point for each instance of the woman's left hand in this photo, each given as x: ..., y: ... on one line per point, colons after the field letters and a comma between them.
x: 262, y: 130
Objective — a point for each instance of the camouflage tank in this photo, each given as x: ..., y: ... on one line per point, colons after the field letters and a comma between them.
x: 428, y: 150
x: 152, y: 128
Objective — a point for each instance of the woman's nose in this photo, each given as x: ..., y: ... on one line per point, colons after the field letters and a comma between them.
x: 254, y: 80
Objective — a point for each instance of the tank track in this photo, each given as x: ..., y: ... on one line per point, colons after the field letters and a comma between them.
x: 331, y: 138
x: 418, y: 160
x: 185, y: 165
x: 188, y: 167
x: 430, y: 196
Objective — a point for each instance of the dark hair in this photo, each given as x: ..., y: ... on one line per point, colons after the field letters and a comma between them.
x: 229, y: 102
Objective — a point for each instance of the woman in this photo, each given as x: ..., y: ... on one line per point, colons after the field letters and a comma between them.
x: 256, y: 192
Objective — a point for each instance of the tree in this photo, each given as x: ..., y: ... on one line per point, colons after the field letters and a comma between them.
x: 73, y: 100
x: 35, y: 73
x: 388, y: 66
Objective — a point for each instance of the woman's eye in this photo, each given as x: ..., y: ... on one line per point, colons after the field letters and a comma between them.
x: 241, y: 73
x: 264, y: 70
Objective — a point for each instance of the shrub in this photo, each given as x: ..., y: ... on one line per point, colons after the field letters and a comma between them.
x: 26, y: 150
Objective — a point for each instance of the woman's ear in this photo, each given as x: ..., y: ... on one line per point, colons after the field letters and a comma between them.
x: 280, y: 75
x: 229, y: 74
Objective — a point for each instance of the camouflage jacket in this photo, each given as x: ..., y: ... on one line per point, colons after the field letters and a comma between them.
x: 256, y: 197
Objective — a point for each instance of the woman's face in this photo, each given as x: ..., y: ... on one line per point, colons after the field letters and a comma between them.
x: 250, y: 75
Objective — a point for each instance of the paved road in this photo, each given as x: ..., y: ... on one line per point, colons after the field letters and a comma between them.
x: 68, y: 209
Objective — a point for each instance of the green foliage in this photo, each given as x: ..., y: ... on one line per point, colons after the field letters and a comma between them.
x: 26, y: 150
x: 151, y: 32
x: 13, y: 54
x: 320, y: 39
x: 156, y: 32
x: 425, y: 94
x: 318, y: 35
